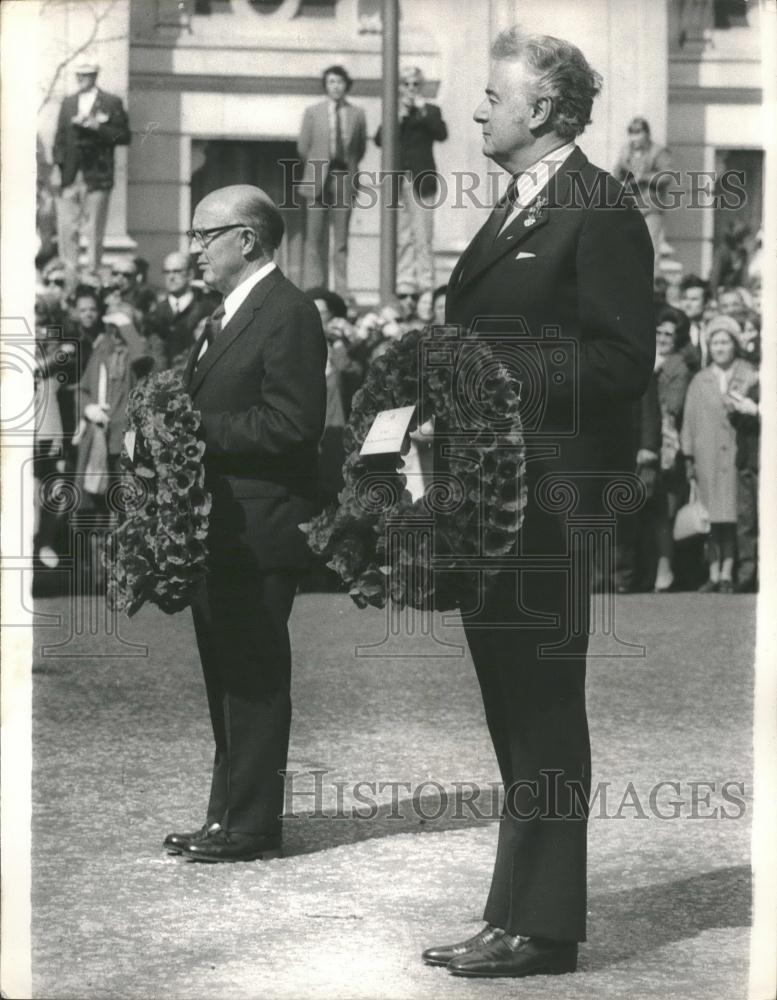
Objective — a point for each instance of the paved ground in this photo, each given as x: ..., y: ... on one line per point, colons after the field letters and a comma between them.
x: 122, y: 754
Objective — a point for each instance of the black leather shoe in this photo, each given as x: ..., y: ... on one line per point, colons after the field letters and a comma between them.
x: 175, y: 842
x: 725, y: 587
x: 224, y: 846
x: 444, y: 953
x: 513, y: 957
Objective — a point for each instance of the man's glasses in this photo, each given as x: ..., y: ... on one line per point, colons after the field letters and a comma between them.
x: 59, y: 282
x: 206, y: 236
x: 411, y: 83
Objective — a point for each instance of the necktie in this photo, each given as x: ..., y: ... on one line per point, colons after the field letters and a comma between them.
x: 212, y: 330
x: 502, y: 209
x: 339, y: 144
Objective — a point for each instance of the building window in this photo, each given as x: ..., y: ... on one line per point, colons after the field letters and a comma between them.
x: 306, y: 8
x: 730, y: 13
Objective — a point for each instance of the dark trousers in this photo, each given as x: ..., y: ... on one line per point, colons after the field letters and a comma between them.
x: 747, y: 527
x: 535, y: 710
x: 241, y: 623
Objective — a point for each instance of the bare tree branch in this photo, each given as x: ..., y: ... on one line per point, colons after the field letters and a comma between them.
x: 98, y: 18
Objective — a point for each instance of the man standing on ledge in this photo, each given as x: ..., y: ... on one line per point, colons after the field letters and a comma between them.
x: 331, y: 144
x: 563, y: 253
x: 420, y: 126
x: 91, y: 122
x: 257, y: 377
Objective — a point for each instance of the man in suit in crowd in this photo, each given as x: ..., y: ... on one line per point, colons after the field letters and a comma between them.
x: 331, y: 144
x: 693, y: 302
x: 420, y: 126
x: 257, y: 377
x: 560, y: 283
x: 179, y: 312
x: 91, y: 123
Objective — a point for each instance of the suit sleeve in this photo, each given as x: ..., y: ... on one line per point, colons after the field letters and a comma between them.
x: 650, y: 419
x: 617, y: 347
x: 305, y: 135
x: 293, y: 394
x: 116, y: 130
x: 433, y: 123
x: 360, y: 136
x: 60, y: 137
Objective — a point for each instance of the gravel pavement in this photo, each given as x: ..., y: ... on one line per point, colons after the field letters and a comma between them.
x: 396, y: 732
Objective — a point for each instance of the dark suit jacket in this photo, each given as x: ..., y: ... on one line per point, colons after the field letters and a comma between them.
x: 261, y: 390
x: 574, y: 321
x: 418, y: 132
x: 90, y: 150
x: 314, y: 148
x: 176, y: 330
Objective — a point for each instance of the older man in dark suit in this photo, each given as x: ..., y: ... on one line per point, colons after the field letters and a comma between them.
x: 559, y: 279
x: 257, y: 377
x: 91, y: 123
x: 331, y: 144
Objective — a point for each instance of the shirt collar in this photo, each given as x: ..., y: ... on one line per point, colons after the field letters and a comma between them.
x: 238, y: 295
x: 181, y: 302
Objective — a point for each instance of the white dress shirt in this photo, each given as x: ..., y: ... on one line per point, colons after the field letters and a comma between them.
x: 532, y: 180
x: 178, y: 303
x: 86, y: 99
x: 237, y: 297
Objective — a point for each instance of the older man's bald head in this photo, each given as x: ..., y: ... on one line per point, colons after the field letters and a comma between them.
x: 176, y: 261
x: 242, y: 203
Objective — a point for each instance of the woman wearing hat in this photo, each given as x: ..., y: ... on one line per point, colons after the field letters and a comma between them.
x: 709, y: 443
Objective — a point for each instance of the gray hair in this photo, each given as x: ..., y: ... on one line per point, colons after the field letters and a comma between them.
x: 560, y: 71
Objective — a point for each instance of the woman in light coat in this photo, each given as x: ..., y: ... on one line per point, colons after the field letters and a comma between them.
x: 709, y: 444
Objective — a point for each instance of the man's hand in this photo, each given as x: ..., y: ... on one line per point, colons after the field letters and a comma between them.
x: 646, y: 457
x: 55, y: 178
x: 97, y: 414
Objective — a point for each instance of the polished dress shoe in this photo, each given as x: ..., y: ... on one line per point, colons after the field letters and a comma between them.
x: 224, y: 846
x: 726, y: 587
x: 444, y: 953
x: 175, y: 842
x: 513, y: 957
x: 709, y: 587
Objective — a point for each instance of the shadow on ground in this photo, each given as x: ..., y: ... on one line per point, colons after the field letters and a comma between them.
x: 642, y: 920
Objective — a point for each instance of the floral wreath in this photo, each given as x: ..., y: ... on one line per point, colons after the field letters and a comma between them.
x: 158, y: 553
x: 431, y: 552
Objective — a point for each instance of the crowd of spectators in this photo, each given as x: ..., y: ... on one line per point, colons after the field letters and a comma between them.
x: 697, y: 425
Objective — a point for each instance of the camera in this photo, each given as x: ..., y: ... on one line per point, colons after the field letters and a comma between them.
x: 544, y: 369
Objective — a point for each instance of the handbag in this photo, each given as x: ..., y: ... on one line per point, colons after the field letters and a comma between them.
x: 692, y: 518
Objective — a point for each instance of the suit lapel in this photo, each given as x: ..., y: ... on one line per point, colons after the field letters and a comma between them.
x: 230, y: 333
x: 478, y: 258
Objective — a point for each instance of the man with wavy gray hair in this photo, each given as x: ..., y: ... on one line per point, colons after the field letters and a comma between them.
x: 560, y: 280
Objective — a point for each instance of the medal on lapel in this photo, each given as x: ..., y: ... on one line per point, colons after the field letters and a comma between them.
x: 535, y: 210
